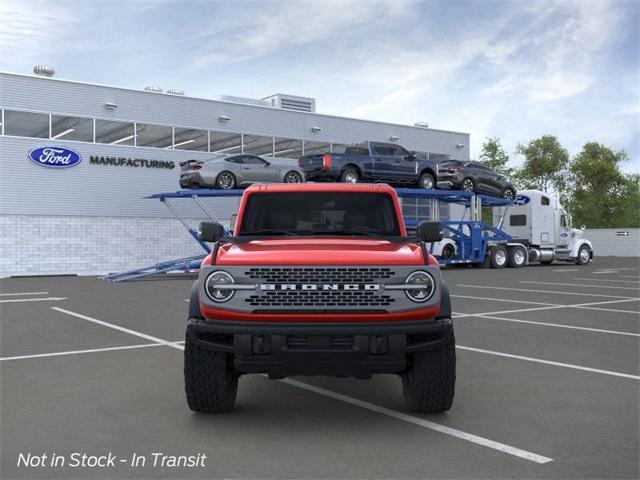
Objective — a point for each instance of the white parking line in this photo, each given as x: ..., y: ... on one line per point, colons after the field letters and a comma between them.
x: 628, y: 276
x: 549, y: 362
x: 485, y: 442
x: 545, y: 324
x: 23, y: 293
x: 529, y: 290
x: 604, y: 280
x: 20, y: 300
x: 91, y: 350
x: 582, y: 285
x: 503, y: 300
x: 552, y: 306
x: 567, y: 270
x: 119, y: 328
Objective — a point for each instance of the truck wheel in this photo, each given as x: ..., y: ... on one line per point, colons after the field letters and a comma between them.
x: 210, y: 381
x: 508, y: 194
x: 427, y: 181
x: 517, y: 257
x: 349, y: 175
x: 226, y: 180
x: 498, y: 257
x: 429, y: 382
x: 584, y: 255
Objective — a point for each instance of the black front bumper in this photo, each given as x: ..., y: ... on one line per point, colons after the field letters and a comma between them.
x: 344, y: 350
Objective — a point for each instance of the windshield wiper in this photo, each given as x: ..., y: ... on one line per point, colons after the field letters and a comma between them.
x: 269, y: 231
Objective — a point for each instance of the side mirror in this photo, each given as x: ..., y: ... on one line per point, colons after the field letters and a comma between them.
x: 430, y: 231
x: 412, y: 156
x: 210, y: 231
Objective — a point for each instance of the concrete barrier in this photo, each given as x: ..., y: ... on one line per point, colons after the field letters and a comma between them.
x: 614, y: 242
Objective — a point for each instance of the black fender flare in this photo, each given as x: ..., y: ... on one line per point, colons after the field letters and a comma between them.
x: 445, y: 302
x: 194, y: 302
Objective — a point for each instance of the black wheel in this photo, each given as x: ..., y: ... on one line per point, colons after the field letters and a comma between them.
x: 429, y: 382
x: 517, y: 257
x: 448, y: 251
x: 584, y: 255
x: 349, y: 175
x: 427, y: 181
x: 508, y: 194
x: 468, y: 185
x: 293, y: 177
x: 210, y: 381
x: 498, y: 257
x: 226, y: 180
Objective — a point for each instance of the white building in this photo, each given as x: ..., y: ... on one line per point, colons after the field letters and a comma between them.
x: 93, y: 218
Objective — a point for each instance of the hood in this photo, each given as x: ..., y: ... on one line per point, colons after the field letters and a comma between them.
x: 320, y: 251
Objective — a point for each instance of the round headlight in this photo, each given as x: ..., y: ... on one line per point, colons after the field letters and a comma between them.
x: 216, y: 293
x: 425, y: 286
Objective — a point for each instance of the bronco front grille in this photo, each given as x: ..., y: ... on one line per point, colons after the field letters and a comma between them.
x: 320, y: 298
x: 319, y: 274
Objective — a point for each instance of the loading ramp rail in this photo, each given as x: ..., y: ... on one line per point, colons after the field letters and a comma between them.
x: 471, y: 236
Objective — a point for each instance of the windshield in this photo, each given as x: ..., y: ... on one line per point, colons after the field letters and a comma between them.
x: 319, y: 213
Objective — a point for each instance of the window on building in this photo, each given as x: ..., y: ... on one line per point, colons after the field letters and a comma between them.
x: 71, y: 128
x: 114, y: 133
x: 258, y: 145
x: 26, y: 124
x: 338, y: 147
x: 157, y: 136
x: 518, y: 220
x: 287, y: 148
x: 190, y: 139
x: 225, y: 142
x: 315, y: 148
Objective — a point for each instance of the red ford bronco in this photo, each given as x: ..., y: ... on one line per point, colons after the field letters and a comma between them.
x: 319, y: 279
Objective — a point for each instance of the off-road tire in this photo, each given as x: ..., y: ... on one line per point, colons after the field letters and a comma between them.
x: 429, y: 382
x: 499, y: 257
x: 425, y: 178
x: 348, y: 173
x: 210, y: 381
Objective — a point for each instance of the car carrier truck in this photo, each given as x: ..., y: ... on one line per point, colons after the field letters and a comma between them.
x: 320, y: 279
x: 538, y: 221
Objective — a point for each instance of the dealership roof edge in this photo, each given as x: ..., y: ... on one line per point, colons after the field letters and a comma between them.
x: 228, y: 102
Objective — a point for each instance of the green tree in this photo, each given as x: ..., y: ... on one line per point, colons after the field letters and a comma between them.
x: 545, y: 164
x: 600, y: 195
x: 494, y: 156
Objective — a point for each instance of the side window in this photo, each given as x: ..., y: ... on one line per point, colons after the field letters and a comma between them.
x: 237, y: 159
x: 563, y: 220
x: 544, y: 200
x: 250, y: 159
x: 399, y: 151
x: 518, y: 220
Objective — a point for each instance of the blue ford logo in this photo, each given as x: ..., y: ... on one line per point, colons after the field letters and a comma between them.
x: 521, y: 200
x: 55, y: 157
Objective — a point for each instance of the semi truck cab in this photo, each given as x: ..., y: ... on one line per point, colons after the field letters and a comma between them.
x: 538, y: 221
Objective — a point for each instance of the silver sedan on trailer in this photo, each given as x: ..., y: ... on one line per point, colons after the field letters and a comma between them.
x: 234, y: 171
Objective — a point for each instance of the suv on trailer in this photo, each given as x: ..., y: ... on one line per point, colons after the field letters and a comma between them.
x: 320, y: 279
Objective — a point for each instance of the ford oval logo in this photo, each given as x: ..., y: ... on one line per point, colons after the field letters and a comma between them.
x: 55, y: 157
x: 521, y: 200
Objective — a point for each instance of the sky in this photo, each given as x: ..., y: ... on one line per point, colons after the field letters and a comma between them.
x: 509, y: 69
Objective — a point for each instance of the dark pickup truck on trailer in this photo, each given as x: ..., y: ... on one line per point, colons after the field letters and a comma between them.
x: 372, y: 162
x: 320, y: 279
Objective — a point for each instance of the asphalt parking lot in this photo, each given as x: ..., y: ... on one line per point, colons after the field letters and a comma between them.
x: 548, y: 386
